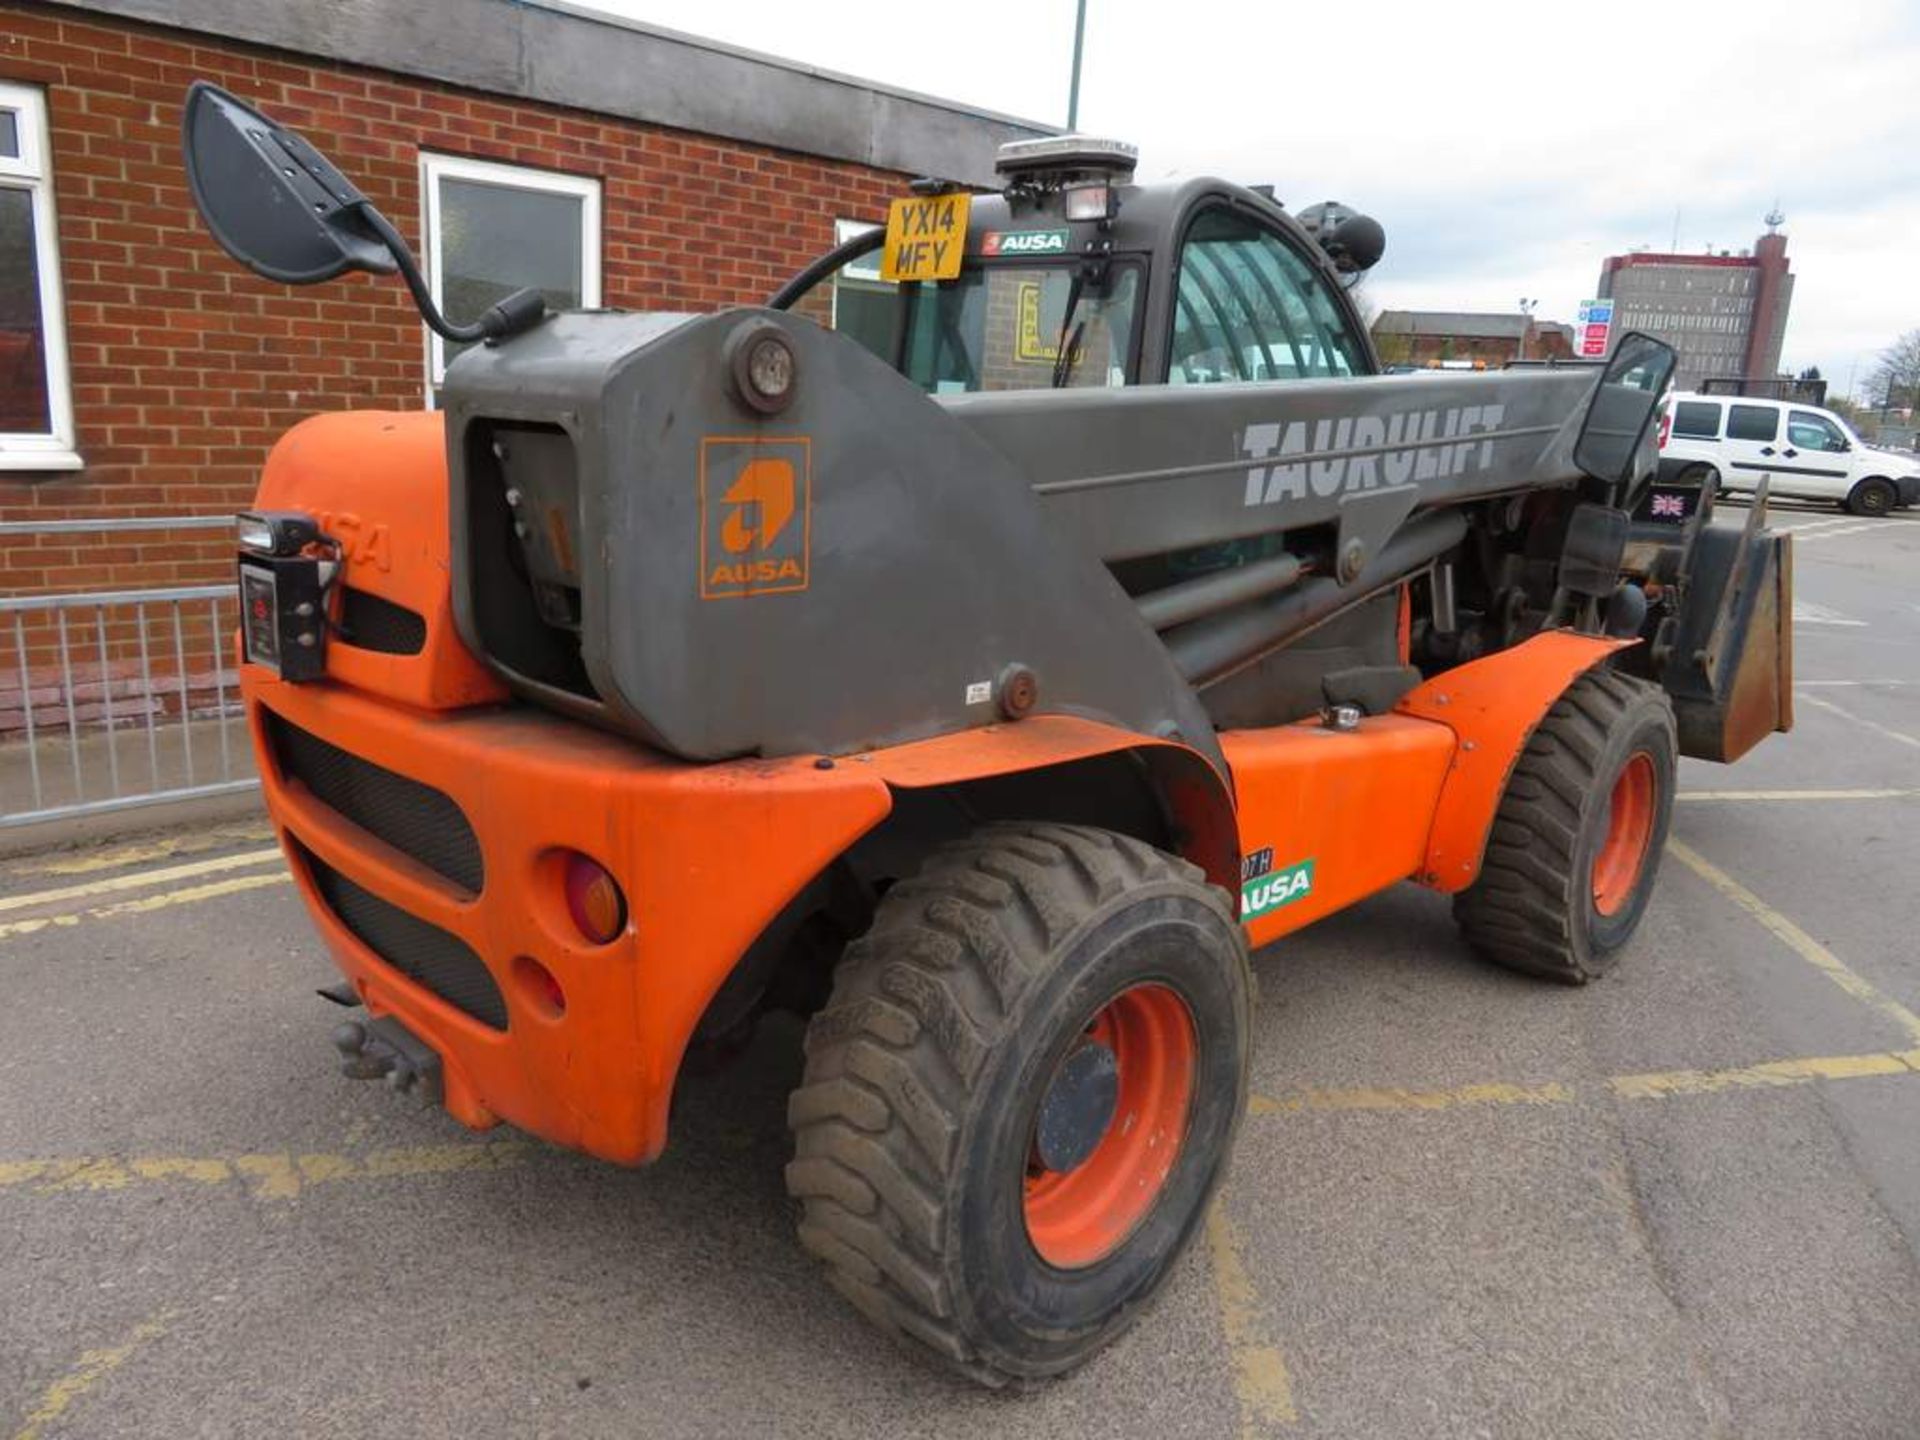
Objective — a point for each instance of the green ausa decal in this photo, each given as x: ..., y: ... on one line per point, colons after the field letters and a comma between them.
x: 1025, y: 242
x: 1262, y: 888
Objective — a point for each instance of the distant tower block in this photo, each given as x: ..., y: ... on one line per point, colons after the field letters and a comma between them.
x: 1725, y: 314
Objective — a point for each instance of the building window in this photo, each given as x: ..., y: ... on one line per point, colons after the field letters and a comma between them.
x: 36, y: 407
x: 863, y: 305
x: 494, y: 229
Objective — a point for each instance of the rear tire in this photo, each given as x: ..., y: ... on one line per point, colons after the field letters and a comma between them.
x: 919, y: 1159
x: 1873, y: 496
x: 1576, y: 843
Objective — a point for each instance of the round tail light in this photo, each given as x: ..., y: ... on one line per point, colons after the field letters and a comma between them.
x: 594, y: 900
x: 540, y: 987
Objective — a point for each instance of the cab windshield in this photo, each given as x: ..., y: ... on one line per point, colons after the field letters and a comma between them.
x: 994, y: 327
x: 1021, y: 327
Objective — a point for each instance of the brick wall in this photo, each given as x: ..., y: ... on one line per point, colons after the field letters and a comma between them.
x: 185, y: 367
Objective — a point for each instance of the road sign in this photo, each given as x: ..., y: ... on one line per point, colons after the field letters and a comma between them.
x: 1596, y: 327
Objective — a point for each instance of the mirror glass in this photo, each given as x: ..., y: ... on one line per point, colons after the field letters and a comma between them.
x: 1619, y: 423
x: 272, y: 201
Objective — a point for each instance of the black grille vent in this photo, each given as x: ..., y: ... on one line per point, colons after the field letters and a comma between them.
x: 417, y: 820
x: 371, y: 622
x: 424, y: 953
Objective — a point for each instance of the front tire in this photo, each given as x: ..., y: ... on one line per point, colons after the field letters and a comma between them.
x: 1021, y: 1097
x: 1576, y: 843
x: 1873, y: 496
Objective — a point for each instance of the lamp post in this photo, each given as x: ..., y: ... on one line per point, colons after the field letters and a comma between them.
x: 1526, y: 325
x: 1073, y: 86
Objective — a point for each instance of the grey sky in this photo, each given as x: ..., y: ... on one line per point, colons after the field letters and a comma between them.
x: 1506, y: 147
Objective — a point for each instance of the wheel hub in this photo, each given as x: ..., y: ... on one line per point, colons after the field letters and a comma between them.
x: 1077, y: 1108
x: 1109, y: 1126
x: 1622, y: 853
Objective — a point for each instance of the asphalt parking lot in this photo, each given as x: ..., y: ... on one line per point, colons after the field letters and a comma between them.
x: 1684, y: 1201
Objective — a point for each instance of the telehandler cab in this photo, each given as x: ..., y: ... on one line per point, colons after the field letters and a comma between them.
x: 978, y: 648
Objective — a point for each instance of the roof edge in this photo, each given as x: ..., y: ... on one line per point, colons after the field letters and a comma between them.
x: 592, y: 14
x: 557, y: 52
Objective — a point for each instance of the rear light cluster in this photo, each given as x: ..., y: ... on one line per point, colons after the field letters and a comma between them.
x: 594, y: 901
x: 540, y: 986
x: 1666, y: 427
x: 595, y: 908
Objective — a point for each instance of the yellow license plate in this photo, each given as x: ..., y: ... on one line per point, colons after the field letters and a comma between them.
x: 926, y: 237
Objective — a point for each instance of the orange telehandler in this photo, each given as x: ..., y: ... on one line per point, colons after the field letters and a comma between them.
x: 978, y: 652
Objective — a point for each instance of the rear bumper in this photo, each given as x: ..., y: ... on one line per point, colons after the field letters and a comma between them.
x: 707, y: 855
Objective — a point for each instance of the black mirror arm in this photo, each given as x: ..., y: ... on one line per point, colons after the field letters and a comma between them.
x: 521, y: 310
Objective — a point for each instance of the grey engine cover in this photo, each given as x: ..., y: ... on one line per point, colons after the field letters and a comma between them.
x: 926, y: 567
x: 917, y: 562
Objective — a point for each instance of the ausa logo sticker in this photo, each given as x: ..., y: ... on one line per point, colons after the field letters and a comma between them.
x: 1263, y: 893
x: 756, y: 515
x: 1024, y: 242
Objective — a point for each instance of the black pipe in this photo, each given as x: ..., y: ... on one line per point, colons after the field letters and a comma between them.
x: 861, y: 244
x: 1207, y: 594
x: 1209, y: 650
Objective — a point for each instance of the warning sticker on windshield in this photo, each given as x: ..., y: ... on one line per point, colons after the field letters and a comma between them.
x: 1030, y: 346
x: 926, y: 237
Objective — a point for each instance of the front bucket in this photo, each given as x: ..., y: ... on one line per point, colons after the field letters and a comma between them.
x: 1731, y: 674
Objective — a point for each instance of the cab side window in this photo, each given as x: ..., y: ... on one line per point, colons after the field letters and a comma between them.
x: 1809, y: 431
x: 1247, y: 306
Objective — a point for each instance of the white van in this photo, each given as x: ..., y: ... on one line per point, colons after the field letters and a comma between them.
x: 1809, y: 453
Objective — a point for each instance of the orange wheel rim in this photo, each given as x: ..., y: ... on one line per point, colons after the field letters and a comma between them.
x: 1623, y: 854
x: 1079, y: 1215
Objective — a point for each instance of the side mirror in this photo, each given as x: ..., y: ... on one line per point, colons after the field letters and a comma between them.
x: 1619, y: 420
x: 272, y: 201
x: 279, y: 207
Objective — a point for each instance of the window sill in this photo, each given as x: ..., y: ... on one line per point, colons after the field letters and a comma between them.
x: 44, y: 460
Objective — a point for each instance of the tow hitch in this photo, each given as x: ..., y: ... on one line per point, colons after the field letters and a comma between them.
x: 384, y: 1048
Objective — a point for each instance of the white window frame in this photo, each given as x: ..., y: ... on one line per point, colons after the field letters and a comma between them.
x: 32, y: 171
x: 867, y: 267
x: 434, y: 168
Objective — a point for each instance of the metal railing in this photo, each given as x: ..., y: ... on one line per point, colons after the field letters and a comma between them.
x: 120, y: 698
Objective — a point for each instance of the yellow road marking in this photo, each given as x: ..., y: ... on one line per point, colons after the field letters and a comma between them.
x: 1773, y: 1073
x: 1795, y: 794
x: 263, y: 1176
x: 141, y: 880
x: 1393, y: 1099
x: 191, y: 895
x: 1797, y: 940
x: 1873, y: 725
x: 93, y: 1367
x: 1260, y: 1380
x: 1650, y: 1086
x: 89, y: 862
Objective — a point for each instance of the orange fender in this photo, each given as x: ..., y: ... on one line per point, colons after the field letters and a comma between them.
x: 1199, y: 800
x: 1492, y: 706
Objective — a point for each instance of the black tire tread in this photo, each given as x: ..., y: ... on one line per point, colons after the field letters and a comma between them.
x: 1856, y: 502
x: 916, y: 1003
x: 1518, y: 912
